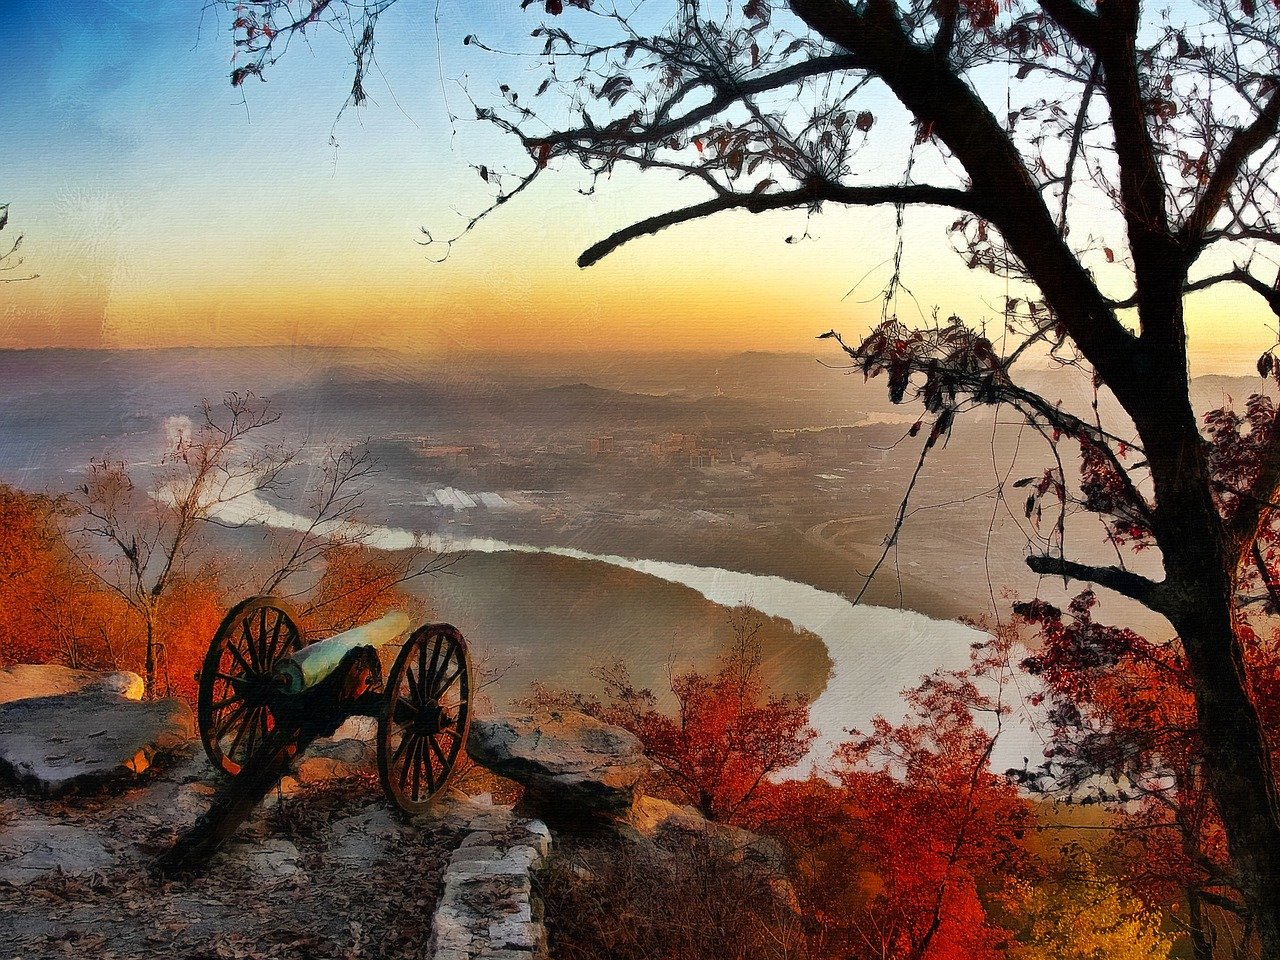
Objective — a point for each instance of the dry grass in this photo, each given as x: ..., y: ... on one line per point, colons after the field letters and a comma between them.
x: 686, y: 900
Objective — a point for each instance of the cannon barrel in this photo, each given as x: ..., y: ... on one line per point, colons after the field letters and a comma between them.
x: 307, y: 667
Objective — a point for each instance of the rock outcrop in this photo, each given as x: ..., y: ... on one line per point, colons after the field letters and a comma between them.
x: 28, y: 681
x: 653, y: 819
x: 86, y: 740
x: 563, y: 759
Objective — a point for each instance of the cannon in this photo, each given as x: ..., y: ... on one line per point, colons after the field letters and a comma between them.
x: 265, y: 695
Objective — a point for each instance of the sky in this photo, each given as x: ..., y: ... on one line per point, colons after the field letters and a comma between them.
x: 163, y: 207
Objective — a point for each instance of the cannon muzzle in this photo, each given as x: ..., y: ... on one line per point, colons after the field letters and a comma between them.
x: 305, y: 668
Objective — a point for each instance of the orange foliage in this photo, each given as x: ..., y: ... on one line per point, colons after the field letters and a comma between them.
x: 912, y: 853
x: 188, y: 617
x: 52, y: 610
x: 359, y: 584
x: 727, y: 736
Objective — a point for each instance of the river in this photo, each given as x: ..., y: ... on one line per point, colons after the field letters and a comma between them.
x: 876, y: 652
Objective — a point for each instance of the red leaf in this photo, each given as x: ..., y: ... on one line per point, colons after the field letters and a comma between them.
x: 1109, y: 254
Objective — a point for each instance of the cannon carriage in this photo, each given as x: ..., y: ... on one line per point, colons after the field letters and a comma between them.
x: 265, y: 695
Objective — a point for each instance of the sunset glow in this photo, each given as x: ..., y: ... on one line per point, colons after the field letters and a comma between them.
x: 163, y: 208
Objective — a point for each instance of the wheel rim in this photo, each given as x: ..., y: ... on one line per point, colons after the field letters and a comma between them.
x: 425, y: 718
x: 236, y: 679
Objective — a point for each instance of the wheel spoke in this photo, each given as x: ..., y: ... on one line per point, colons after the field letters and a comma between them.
x: 414, y: 686
x: 239, y: 658
x: 225, y: 703
x: 438, y: 691
x: 262, y: 639
x: 428, y: 767
x: 249, y: 647
x: 408, y: 760
x: 273, y: 650
x: 435, y: 748
x: 253, y: 735
x: 404, y: 742
x: 422, y: 669
x: 244, y: 728
x: 417, y: 769
x: 230, y: 719
x: 429, y: 684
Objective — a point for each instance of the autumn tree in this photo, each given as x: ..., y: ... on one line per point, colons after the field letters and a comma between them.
x: 1168, y: 121
x: 1123, y: 735
x: 940, y: 833
x: 53, y: 610
x: 1084, y: 914
x: 726, y: 737
x: 138, y: 533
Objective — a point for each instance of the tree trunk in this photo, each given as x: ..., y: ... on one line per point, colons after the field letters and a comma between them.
x: 1237, y: 759
x: 1197, y: 927
x: 149, y: 688
x: 1200, y: 576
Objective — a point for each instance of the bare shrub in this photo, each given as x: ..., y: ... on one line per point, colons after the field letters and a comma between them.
x: 622, y: 899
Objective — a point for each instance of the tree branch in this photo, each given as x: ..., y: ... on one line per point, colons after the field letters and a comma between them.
x: 1243, y: 144
x: 817, y: 191
x: 950, y: 108
x: 1238, y: 275
x: 724, y: 97
x: 1081, y: 24
x: 1125, y: 582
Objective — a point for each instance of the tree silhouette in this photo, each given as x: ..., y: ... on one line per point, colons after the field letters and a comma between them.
x: 10, y: 258
x: 1169, y: 123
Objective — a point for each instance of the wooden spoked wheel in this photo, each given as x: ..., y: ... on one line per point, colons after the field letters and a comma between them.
x: 423, y: 726
x: 236, y: 682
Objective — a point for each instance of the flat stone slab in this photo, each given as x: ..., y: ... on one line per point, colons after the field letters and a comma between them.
x: 359, y: 840
x: 35, y: 847
x: 86, y: 740
x: 26, y: 681
x: 562, y: 756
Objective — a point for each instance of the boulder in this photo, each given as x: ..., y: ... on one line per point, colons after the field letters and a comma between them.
x: 26, y: 681
x: 86, y: 740
x: 358, y: 728
x: 564, y: 759
x: 653, y: 819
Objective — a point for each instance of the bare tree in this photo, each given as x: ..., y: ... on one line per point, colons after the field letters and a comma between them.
x: 1167, y: 123
x: 148, y: 529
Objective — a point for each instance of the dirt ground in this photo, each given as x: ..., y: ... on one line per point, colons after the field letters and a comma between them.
x: 325, y: 872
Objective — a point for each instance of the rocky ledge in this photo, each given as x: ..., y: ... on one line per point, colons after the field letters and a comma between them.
x: 87, y: 739
x: 563, y: 759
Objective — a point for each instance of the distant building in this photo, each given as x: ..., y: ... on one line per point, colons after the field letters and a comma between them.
x: 771, y: 461
x: 676, y: 444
